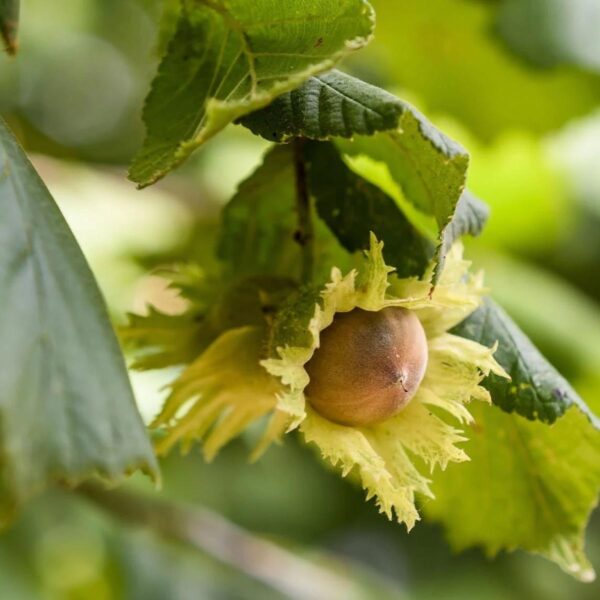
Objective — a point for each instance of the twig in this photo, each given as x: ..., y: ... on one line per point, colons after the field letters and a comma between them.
x: 305, y: 234
x: 204, y: 530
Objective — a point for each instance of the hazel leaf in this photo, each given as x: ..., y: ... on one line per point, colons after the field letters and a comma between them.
x: 545, y: 478
x: 230, y: 57
x: 333, y: 104
x: 428, y: 165
x: 66, y: 406
x: 536, y: 390
x: 353, y: 208
x: 258, y: 233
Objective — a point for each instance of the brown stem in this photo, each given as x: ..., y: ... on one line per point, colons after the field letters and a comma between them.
x: 305, y: 234
x: 207, y: 531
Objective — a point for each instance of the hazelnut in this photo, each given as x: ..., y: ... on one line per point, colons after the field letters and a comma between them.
x: 368, y: 366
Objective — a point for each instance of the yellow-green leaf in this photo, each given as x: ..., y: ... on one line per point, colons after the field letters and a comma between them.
x: 528, y: 485
x: 230, y: 57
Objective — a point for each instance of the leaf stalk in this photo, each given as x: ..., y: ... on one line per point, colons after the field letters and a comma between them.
x: 304, y: 235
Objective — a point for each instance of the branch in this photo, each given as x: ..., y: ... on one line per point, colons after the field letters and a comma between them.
x: 305, y: 234
x: 207, y: 531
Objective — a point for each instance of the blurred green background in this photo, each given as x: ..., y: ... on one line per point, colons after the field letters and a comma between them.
x: 73, y: 96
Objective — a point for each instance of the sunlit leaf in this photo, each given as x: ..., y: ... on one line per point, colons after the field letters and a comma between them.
x: 227, y: 59
x: 66, y: 407
x: 528, y: 485
x: 429, y: 167
x: 353, y: 208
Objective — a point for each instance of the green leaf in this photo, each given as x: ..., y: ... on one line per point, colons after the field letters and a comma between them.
x: 552, y: 32
x: 353, y: 208
x: 230, y: 57
x: 469, y: 218
x: 528, y: 485
x: 329, y: 105
x: 259, y: 224
x: 169, y: 18
x: 66, y: 407
x: 536, y: 390
x: 429, y: 166
x: 9, y: 23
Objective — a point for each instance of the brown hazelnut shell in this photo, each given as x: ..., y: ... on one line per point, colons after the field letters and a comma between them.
x: 368, y: 366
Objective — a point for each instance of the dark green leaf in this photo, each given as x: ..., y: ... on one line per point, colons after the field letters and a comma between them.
x: 469, y: 218
x: 259, y: 224
x: 9, y: 23
x: 66, y: 407
x: 228, y: 58
x: 536, y: 390
x: 429, y: 167
x: 333, y: 104
x: 353, y: 208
